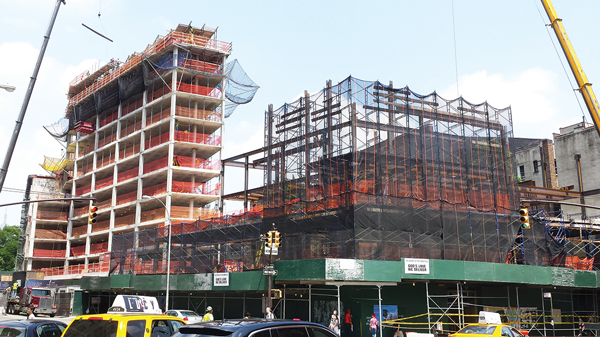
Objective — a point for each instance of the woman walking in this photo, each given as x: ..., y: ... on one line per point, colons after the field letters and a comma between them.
x: 334, y: 323
x: 373, y: 324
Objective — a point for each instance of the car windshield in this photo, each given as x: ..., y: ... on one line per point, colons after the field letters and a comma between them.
x: 92, y: 328
x: 478, y: 329
x: 187, y: 313
x: 11, y: 332
x: 40, y: 292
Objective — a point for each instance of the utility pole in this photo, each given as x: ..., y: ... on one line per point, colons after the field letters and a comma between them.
x: 36, y: 69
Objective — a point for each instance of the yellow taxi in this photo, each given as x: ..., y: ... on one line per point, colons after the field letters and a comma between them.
x: 487, y: 330
x: 130, y: 316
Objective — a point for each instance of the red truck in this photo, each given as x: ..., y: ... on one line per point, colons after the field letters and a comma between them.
x: 41, y: 300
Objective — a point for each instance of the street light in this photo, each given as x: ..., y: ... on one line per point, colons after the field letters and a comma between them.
x: 8, y: 87
x: 168, y: 248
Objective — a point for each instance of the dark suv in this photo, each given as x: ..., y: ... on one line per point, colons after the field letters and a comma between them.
x: 255, y: 328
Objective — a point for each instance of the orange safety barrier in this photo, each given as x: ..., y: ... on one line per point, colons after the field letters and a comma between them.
x: 156, y: 140
x: 158, y: 116
x: 198, y: 138
x: 83, y: 189
x: 97, y: 248
x: 105, y: 160
x: 158, y: 93
x: 104, y: 204
x: 126, y: 175
x: 78, y: 251
x: 132, y: 107
x: 182, y: 161
x: 85, y: 168
x: 100, y: 226
x: 56, y: 253
x: 109, y: 119
x: 156, y: 189
x: 126, y: 130
x: 108, y: 181
x: 127, y: 197
x: 124, y: 220
x: 50, y: 234
x: 79, y: 230
x: 198, y: 90
x: 135, y: 59
x: 85, y: 150
x: 201, y: 66
x: 156, y: 165
x: 182, y: 111
x: 107, y: 140
x: 52, y: 215
x: 153, y: 214
x: 81, y: 211
x: 128, y: 151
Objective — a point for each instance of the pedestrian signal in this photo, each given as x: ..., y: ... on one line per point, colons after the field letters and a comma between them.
x: 524, y: 218
x: 92, y: 215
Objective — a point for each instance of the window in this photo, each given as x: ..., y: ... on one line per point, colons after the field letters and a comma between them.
x: 8, y: 331
x: 522, y: 171
x: 536, y: 166
x: 100, y: 328
x: 506, y: 332
x: 175, y: 325
x: 291, y: 332
x: 322, y: 333
x: 48, y: 330
x: 160, y: 329
x: 516, y: 332
x: 264, y: 333
x: 136, y: 328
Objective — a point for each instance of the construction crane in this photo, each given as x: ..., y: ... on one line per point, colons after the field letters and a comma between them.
x: 585, y: 88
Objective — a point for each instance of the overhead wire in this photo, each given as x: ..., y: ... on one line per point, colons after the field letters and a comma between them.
x: 560, y: 59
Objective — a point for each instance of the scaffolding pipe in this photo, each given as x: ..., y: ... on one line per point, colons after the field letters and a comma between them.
x: 33, y: 78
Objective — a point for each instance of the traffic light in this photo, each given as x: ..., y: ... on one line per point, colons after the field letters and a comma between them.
x: 92, y: 215
x: 276, y: 242
x: 524, y: 218
x: 275, y: 294
x: 269, y: 239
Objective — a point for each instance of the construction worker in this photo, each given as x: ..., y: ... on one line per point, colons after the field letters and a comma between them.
x: 209, y: 315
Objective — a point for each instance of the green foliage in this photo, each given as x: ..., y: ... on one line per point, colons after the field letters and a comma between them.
x: 9, y: 243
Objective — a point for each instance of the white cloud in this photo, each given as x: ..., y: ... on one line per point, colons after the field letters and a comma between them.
x: 532, y: 95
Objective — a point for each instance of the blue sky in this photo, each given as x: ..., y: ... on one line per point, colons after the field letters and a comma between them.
x: 503, y: 55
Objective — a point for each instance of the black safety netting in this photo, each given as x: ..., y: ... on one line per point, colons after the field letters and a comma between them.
x: 60, y: 129
x: 367, y: 171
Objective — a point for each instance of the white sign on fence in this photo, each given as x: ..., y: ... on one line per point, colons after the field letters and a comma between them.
x: 416, y: 266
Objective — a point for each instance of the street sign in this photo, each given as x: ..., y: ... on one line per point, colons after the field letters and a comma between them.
x: 271, y: 251
x: 269, y: 270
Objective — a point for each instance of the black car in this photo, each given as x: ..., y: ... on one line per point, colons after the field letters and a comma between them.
x: 32, y: 328
x: 255, y: 328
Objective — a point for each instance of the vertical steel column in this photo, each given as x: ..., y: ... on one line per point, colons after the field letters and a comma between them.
x: 339, y: 302
x: 246, y: 178
x: 310, y: 302
x: 283, y: 312
x: 543, y: 311
x: 428, y: 307
x: 380, y: 312
x: 306, y: 148
x: 518, y: 309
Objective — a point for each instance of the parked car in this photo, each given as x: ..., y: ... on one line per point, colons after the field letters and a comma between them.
x: 32, y: 328
x: 255, y: 328
x: 122, y: 325
x: 189, y: 316
x: 487, y: 330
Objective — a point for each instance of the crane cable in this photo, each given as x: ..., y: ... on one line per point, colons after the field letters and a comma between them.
x: 455, y: 55
x: 560, y: 59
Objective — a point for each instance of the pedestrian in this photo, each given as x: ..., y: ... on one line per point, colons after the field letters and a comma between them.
x: 30, y: 314
x: 373, y: 324
x: 334, y: 323
x: 270, y: 314
x: 247, y: 315
x: 348, y: 328
x: 208, y: 317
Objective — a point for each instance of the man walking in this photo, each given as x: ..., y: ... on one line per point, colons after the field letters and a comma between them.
x: 209, y: 315
x: 348, y: 328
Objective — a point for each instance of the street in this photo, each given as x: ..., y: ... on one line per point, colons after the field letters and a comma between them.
x: 3, y: 318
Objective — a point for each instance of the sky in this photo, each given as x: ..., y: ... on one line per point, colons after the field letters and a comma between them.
x: 495, y: 51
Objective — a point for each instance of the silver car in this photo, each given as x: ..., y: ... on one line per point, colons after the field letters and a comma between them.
x: 190, y: 316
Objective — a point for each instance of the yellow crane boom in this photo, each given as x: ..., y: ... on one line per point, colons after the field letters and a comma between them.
x: 585, y: 88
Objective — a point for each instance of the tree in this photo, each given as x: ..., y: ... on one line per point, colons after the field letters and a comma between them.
x: 9, y: 243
